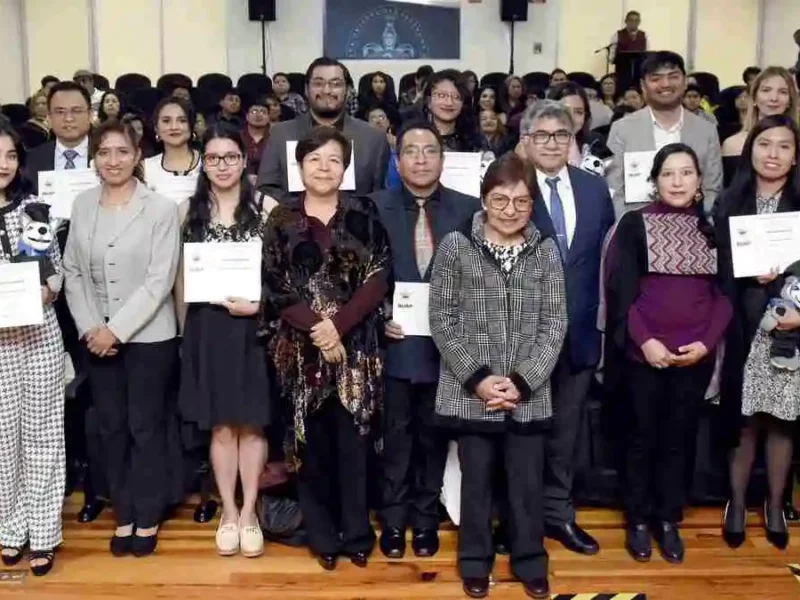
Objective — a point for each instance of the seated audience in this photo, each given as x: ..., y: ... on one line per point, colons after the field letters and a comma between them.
x: 36, y: 130
x: 633, y: 98
x: 486, y: 98
x: 493, y: 134
x: 666, y: 315
x: 511, y: 96
x: 494, y: 383
x: 48, y: 81
x: 110, y: 107
x: 587, y: 148
x: 412, y: 97
x: 443, y: 99
x: 282, y: 90
x: 380, y: 93
x: 377, y: 117
x: 255, y: 134
x: 608, y: 88
x: 470, y: 81
x: 558, y: 76
x: 326, y: 267
x: 174, y: 126
x: 693, y: 102
x: 230, y: 109
x: 85, y: 79
x: 749, y: 75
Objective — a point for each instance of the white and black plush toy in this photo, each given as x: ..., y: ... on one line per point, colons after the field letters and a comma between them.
x: 37, y: 236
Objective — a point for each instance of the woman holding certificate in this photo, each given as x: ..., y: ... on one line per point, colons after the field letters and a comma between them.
x: 32, y: 459
x: 757, y: 395
x: 498, y: 315
x: 326, y: 268
x: 120, y: 264
x: 666, y: 316
x: 224, y: 382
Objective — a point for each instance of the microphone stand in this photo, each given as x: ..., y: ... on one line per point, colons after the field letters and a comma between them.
x: 607, y: 50
x: 511, y: 62
x: 263, y: 44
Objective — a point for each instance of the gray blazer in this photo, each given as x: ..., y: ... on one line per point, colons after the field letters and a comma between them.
x: 634, y: 133
x: 140, y: 267
x: 370, y: 148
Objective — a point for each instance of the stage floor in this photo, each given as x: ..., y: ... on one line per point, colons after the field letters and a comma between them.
x: 186, y: 567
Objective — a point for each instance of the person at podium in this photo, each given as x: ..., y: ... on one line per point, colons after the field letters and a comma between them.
x: 630, y: 38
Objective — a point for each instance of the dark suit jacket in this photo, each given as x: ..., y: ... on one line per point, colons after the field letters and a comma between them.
x: 370, y: 147
x: 42, y: 158
x: 416, y: 358
x: 595, y: 216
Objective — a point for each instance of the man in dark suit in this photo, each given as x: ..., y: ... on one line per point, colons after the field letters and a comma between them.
x: 326, y: 88
x: 575, y: 208
x: 417, y: 216
x: 70, y: 112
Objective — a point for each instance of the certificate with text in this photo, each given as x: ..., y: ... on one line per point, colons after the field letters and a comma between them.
x: 462, y: 172
x: 20, y: 295
x: 638, y: 187
x: 410, y: 308
x: 213, y: 272
x: 59, y: 189
x: 764, y: 243
x: 293, y: 171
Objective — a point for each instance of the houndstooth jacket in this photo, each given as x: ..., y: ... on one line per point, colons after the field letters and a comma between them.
x: 485, y: 322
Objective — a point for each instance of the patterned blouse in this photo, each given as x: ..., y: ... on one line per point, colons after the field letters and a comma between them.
x: 505, y: 255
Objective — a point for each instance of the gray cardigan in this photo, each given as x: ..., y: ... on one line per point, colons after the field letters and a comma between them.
x: 487, y: 323
x: 141, y: 262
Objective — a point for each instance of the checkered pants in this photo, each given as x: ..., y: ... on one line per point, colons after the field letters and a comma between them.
x: 32, y: 459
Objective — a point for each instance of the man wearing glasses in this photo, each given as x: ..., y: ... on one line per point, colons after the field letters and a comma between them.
x: 416, y: 216
x: 326, y: 89
x: 573, y: 207
x: 255, y: 133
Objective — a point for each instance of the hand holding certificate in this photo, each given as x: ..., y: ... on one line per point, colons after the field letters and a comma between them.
x: 59, y: 188
x: 215, y: 272
x: 462, y: 172
x: 761, y: 244
x: 20, y: 295
x: 638, y: 188
x: 410, y: 308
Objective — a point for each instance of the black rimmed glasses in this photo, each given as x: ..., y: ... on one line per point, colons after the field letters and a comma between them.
x: 562, y: 137
x: 213, y: 160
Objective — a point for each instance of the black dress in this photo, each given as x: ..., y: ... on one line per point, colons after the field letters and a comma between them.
x: 224, y: 378
x: 729, y: 166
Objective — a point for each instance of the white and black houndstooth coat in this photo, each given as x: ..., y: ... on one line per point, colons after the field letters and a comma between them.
x: 485, y: 322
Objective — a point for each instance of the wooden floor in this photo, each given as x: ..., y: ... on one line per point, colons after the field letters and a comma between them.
x: 186, y: 568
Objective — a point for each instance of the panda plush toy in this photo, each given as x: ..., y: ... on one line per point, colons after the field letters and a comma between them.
x: 36, y: 238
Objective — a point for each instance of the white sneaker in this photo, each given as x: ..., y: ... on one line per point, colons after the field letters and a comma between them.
x: 251, y: 540
x: 228, y: 539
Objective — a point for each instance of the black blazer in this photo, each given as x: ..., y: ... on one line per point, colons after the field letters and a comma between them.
x: 42, y: 158
x: 595, y: 216
x: 416, y: 358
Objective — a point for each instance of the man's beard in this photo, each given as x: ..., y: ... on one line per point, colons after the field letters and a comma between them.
x: 325, y: 112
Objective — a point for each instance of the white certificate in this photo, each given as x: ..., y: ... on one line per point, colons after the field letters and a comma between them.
x: 293, y: 171
x: 177, y: 188
x: 215, y: 271
x: 20, y: 295
x: 59, y: 189
x: 637, y: 176
x: 410, y: 308
x: 462, y: 172
x: 764, y: 243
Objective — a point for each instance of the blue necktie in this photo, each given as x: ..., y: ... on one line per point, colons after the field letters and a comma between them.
x: 557, y: 216
x: 70, y: 156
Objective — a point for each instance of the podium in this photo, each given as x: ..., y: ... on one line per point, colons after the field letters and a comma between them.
x: 628, y: 66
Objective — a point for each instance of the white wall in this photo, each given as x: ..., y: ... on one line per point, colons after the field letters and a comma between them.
x: 12, y: 67
x: 781, y: 20
x: 295, y: 40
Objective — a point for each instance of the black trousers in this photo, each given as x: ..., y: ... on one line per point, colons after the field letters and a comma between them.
x: 130, y: 393
x: 332, y: 483
x: 479, y: 454
x: 664, y: 405
x: 414, y: 456
x: 570, y: 390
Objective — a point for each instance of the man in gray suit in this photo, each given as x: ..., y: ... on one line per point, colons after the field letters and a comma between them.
x: 326, y: 89
x: 663, y: 121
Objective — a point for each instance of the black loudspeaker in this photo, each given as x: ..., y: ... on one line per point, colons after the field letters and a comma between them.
x: 513, y: 10
x: 261, y: 9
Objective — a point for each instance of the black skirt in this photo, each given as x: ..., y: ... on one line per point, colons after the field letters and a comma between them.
x: 224, y: 377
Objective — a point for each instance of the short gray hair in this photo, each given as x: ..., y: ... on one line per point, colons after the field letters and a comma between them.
x: 545, y: 109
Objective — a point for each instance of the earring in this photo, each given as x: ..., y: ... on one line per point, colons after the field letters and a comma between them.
x: 698, y: 197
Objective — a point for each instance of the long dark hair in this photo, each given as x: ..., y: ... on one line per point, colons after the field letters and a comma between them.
x: 476, y: 100
x: 19, y: 188
x: 740, y: 197
x: 369, y: 96
x: 199, y: 215
x: 703, y: 223
x: 101, y: 111
x: 466, y: 129
x: 188, y: 110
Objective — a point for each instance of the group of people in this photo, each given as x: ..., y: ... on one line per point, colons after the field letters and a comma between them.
x: 523, y: 282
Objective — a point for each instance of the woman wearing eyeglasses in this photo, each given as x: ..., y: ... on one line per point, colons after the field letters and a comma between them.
x: 224, y: 383
x: 498, y: 317
x: 444, y: 105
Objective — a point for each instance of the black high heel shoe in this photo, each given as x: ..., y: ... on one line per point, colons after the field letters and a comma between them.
x: 733, y: 535
x: 777, y: 537
x: 47, y: 555
x: 12, y: 559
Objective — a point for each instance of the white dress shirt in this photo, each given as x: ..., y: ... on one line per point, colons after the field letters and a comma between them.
x: 564, y: 187
x: 81, y: 161
x: 664, y: 136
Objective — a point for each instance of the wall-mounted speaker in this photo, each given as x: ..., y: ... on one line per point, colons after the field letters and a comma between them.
x: 261, y: 10
x: 513, y: 10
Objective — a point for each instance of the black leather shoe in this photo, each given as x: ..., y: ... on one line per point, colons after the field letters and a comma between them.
x: 790, y: 512
x: 425, y: 542
x: 359, y: 559
x: 393, y: 542
x: 734, y: 524
x: 776, y: 527
x: 637, y: 542
x: 669, y: 542
x: 476, y: 587
x: 205, y: 511
x: 502, y: 543
x: 144, y: 546
x: 573, y: 538
x: 327, y: 561
x: 537, y: 588
x: 91, y: 510
x: 121, y: 546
